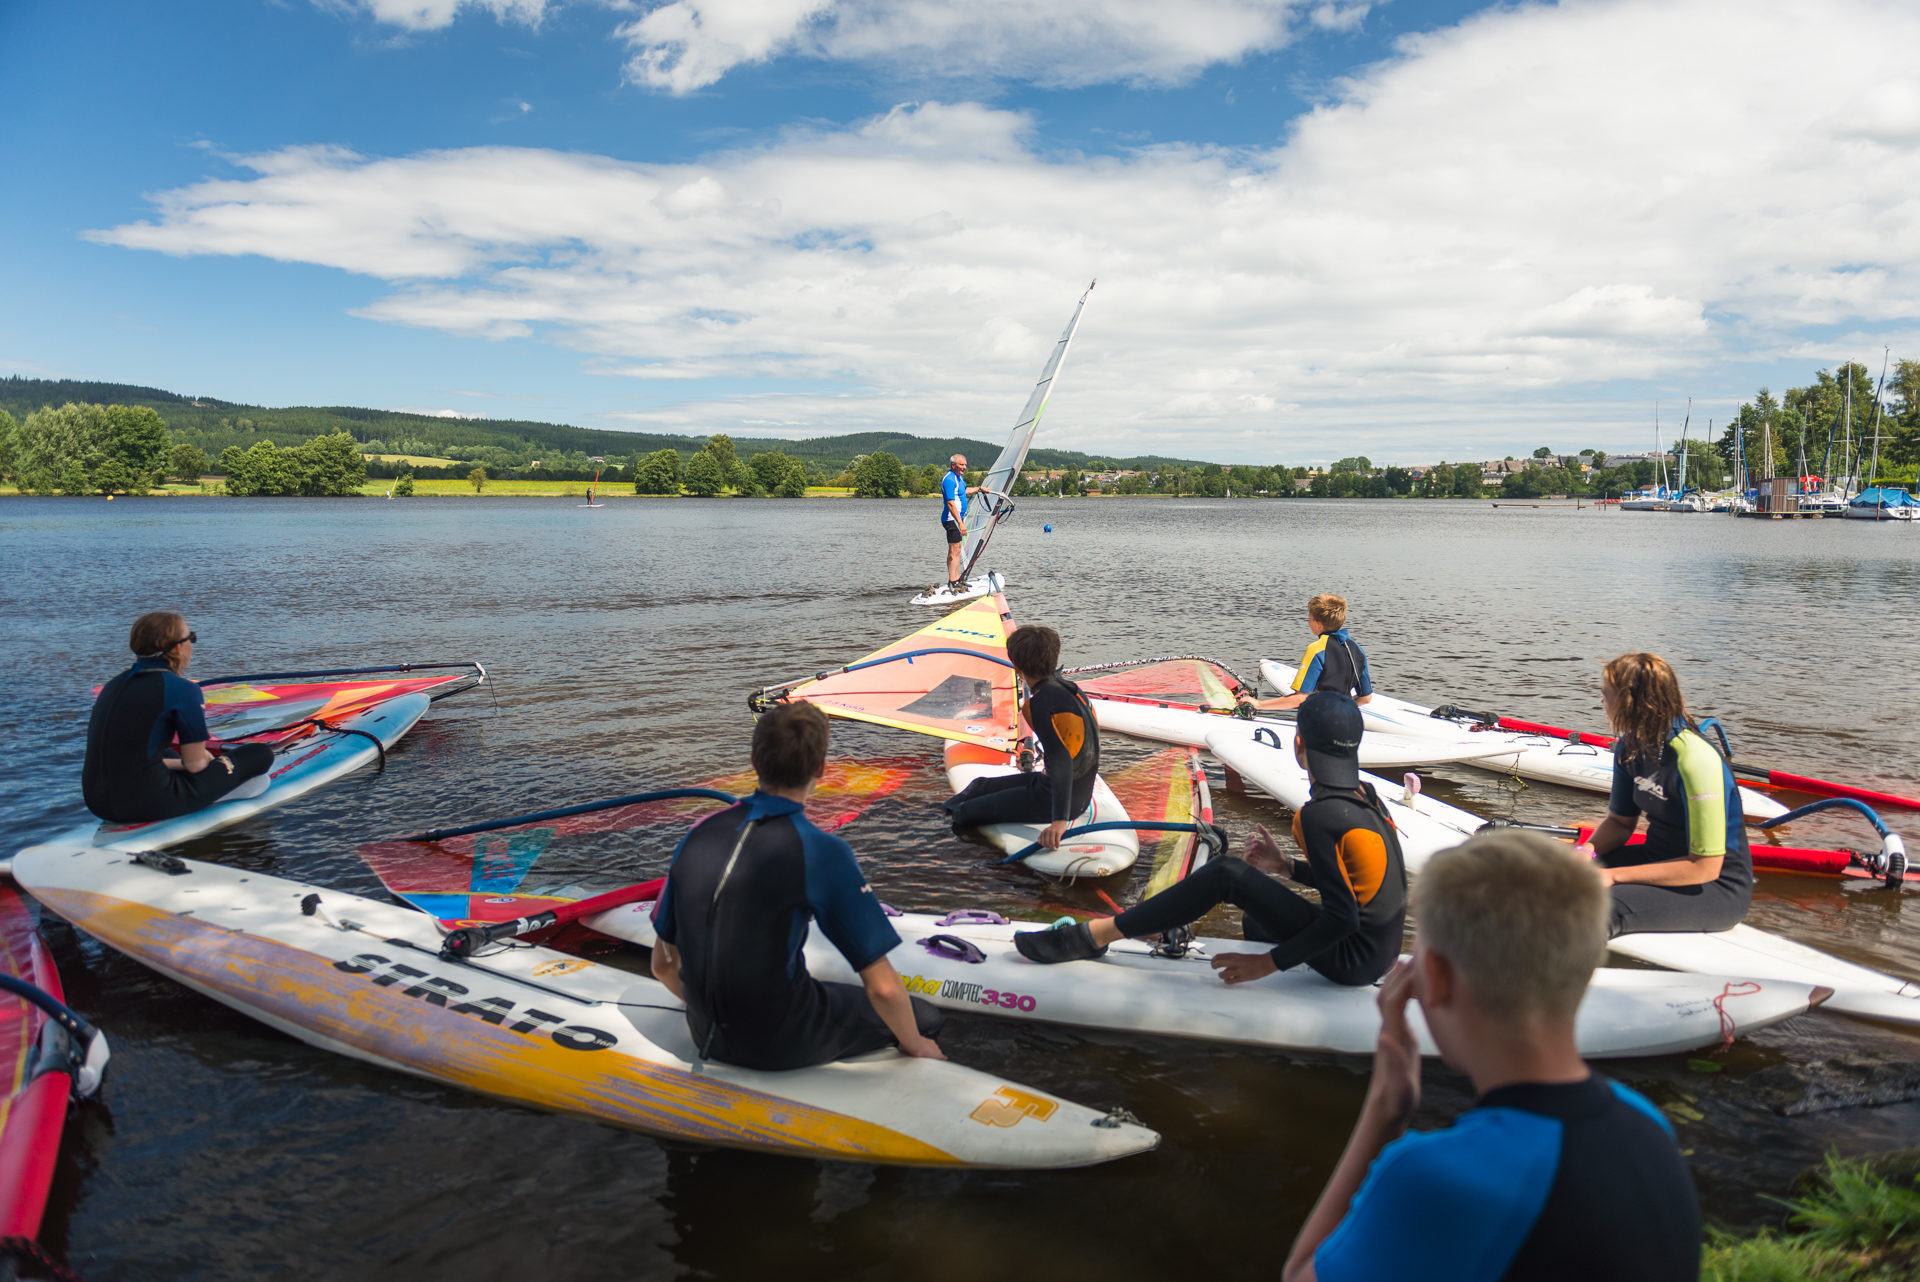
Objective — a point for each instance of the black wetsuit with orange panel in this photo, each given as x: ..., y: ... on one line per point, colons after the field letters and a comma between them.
x: 1352, y: 936
x: 1063, y: 722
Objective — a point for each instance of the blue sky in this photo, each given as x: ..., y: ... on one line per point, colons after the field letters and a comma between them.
x: 1408, y: 230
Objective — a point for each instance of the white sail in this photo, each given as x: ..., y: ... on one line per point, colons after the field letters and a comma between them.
x: 998, y: 482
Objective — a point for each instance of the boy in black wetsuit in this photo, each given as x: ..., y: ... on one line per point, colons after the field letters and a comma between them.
x: 733, y: 917
x: 1556, y: 1173
x: 1069, y: 742
x: 1352, y: 858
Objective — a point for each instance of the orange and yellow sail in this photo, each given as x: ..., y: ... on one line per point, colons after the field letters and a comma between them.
x: 950, y: 678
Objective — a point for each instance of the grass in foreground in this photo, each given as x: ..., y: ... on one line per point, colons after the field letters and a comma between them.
x: 1856, y: 1227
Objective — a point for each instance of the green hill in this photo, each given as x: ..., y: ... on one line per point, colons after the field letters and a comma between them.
x: 500, y: 444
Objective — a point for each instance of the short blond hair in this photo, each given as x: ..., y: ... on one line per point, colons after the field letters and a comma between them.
x: 1328, y: 610
x: 1521, y: 916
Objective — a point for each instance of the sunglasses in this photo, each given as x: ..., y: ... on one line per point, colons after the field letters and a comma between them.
x: 188, y: 639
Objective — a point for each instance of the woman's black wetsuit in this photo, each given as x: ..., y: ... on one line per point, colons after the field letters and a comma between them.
x: 138, y: 717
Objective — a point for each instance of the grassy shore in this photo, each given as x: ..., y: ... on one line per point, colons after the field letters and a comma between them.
x: 464, y: 489
x: 548, y: 489
x: 1853, y: 1226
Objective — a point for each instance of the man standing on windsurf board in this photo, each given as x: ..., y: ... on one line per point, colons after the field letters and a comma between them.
x: 953, y: 518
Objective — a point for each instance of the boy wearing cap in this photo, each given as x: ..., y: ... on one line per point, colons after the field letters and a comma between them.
x: 1352, y: 936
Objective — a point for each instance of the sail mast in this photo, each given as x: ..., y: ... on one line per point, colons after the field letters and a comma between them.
x: 1885, y: 353
x: 997, y: 485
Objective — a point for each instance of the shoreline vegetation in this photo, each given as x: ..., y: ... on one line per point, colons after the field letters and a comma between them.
x: 134, y: 441
x: 1853, y: 1221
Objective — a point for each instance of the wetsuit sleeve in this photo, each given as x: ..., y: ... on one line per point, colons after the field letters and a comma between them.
x: 844, y: 904
x: 1306, y: 677
x: 1446, y: 1205
x: 1339, y: 913
x: 1703, y: 780
x: 1620, y: 797
x: 186, y: 707
x: 664, y: 924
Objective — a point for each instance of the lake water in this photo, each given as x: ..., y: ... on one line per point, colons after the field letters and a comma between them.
x: 623, y: 643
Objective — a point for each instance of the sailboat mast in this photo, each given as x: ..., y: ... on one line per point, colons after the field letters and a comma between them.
x: 1846, y: 435
x: 1885, y: 352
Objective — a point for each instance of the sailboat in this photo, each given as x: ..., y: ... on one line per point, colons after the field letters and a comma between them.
x: 1659, y: 498
x: 952, y: 679
x: 996, y: 487
x: 598, y: 463
x: 1881, y: 502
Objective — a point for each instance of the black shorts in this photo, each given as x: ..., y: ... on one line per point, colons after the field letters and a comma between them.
x: 953, y: 531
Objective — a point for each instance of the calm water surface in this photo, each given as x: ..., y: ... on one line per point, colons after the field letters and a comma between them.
x: 623, y: 643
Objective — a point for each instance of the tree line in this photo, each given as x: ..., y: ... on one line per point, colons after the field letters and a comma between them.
x: 1816, y: 422
x: 128, y: 449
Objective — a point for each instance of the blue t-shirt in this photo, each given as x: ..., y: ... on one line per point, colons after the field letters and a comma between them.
x: 953, y: 489
x: 1576, y: 1183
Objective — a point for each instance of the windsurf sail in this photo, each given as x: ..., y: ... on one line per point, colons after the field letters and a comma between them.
x: 277, y: 707
x: 951, y: 678
x: 997, y: 484
x: 487, y: 877
x: 1170, y: 786
x: 262, y: 712
x: 1179, y: 681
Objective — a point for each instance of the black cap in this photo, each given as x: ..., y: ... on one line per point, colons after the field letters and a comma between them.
x: 1330, y: 725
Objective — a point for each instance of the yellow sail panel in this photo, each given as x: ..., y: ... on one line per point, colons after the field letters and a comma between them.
x: 950, y: 679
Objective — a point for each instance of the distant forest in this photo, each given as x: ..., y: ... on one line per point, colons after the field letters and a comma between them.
x: 505, y: 447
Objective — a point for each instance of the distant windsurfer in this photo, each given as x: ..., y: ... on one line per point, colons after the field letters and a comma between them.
x: 1352, y: 936
x: 953, y: 517
x: 133, y: 772
x: 1333, y: 661
x: 1063, y: 721
x: 1694, y: 871
x: 732, y: 918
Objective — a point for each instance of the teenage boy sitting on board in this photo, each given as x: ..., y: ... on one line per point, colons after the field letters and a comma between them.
x: 1333, y: 661
x: 733, y: 916
x: 1556, y: 1172
x: 1352, y: 936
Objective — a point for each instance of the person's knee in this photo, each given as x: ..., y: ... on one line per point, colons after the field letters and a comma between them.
x: 250, y: 759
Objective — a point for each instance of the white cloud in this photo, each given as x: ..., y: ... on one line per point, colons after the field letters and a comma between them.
x: 684, y: 45
x: 1493, y: 223
x: 430, y: 15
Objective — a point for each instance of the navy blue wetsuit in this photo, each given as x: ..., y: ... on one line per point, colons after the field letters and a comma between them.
x: 138, y: 717
x: 1692, y: 804
x: 1334, y: 661
x: 744, y: 886
x: 1564, y: 1183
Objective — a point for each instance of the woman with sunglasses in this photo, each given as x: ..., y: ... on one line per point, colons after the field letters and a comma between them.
x: 134, y: 772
